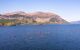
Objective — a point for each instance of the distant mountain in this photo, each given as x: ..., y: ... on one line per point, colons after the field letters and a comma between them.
x: 75, y: 22
x: 35, y: 17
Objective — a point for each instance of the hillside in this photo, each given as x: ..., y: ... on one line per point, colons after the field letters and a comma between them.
x: 33, y: 18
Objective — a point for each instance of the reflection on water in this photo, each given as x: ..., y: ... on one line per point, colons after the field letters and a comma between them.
x: 40, y: 37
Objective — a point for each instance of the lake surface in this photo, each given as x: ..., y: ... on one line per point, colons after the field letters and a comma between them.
x: 40, y: 37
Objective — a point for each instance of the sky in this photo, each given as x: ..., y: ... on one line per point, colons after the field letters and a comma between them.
x: 67, y: 9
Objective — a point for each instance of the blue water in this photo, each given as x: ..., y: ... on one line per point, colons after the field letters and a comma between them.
x: 40, y: 37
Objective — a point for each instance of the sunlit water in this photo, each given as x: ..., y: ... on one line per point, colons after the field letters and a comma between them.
x: 40, y: 37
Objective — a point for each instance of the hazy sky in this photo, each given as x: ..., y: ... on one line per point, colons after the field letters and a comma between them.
x: 67, y: 9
